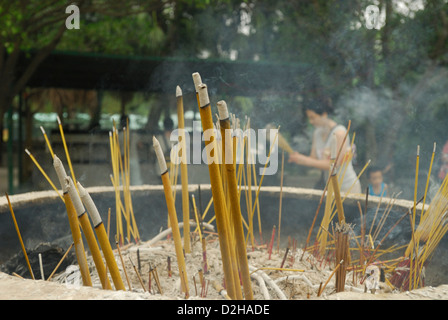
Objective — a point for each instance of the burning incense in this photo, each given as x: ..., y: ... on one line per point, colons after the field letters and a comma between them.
x: 20, y: 237
x: 88, y: 233
x: 218, y: 195
x: 171, y: 213
x: 74, y: 223
x: 234, y: 201
x: 102, y: 237
x: 183, y: 170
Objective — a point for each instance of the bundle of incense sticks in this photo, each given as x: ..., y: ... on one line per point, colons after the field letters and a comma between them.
x: 121, y: 169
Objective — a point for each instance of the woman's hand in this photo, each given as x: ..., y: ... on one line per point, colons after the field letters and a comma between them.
x: 296, y: 158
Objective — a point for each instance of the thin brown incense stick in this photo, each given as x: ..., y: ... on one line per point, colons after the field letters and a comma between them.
x: 124, y: 266
x: 372, y: 257
x: 324, y: 191
x: 60, y: 261
x: 329, y: 278
x: 280, y: 203
x: 20, y: 237
x: 361, y: 253
x: 138, y: 274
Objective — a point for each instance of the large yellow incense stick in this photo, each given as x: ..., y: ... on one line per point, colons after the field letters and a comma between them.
x: 183, y: 170
x: 217, y: 192
x: 172, y: 215
x: 20, y: 237
x: 74, y: 224
x: 88, y: 233
x: 102, y: 237
x: 234, y: 199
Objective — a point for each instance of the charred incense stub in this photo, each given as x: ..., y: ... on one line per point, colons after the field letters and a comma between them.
x: 60, y: 172
x: 160, y: 156
x: 222, y: 110
x: 90, y: 206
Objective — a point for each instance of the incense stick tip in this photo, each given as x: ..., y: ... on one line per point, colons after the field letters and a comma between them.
x: 42, y: 129
x: 59, y: 120
x: 27, y: 152
x: 197, y: 80
x: 222, y: 110
x: 178, y: 91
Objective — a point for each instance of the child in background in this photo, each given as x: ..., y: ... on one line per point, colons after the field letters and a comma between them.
x: 377, y: 187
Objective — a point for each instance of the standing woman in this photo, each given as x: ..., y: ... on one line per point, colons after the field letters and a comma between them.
x: 325, y: 127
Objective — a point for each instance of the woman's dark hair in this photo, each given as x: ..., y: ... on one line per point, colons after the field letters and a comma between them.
x: 320, y: 105
x: 168, y: 124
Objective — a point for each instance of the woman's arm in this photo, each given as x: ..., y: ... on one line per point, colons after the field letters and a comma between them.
x: 322, y: 164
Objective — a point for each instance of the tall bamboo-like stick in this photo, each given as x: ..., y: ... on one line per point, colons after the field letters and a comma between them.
x: 20, y: 237
x: 74, y: 224
x: 218, y: 193
x: 172, y: 215
x: 234, y: 200
x: 102, y: 237
x: 88, y: 233
x: 183, y: 170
